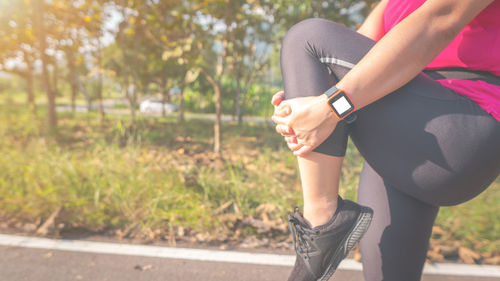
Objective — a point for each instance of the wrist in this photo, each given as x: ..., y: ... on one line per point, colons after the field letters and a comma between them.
x: 324, y: 108
x: 340, y: 104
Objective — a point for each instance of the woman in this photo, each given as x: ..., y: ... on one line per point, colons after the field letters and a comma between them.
x: 426, y: 143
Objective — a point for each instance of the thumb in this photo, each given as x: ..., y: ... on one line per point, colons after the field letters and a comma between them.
x: 278, y: 98
x: 303, y: 151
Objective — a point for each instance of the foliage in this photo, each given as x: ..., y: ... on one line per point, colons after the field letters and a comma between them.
x: 167, y: 178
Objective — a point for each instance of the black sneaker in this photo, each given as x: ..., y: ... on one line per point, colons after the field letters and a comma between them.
x: 320, y: 249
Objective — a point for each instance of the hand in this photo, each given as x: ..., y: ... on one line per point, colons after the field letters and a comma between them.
x: 304, y: 122
x: 283, y: 130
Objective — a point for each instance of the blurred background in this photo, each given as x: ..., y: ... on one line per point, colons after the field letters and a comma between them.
x: 149, y: 120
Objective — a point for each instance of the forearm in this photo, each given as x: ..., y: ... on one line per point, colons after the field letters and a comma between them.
x: 405, y: 51
x: 373, y: 26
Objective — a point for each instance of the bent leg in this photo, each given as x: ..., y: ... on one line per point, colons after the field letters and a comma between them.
x: 309, y: 67
x: 395, y: 247
x: 429, y: 142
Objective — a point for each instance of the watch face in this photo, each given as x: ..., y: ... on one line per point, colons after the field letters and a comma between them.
x: 341, y: 104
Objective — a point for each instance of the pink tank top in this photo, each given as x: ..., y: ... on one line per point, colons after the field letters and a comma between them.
x: 477, y: 47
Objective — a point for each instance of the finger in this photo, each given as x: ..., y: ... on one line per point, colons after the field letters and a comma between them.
x: 283, y: 110
x: 303, y: 151
x: 284, y: 130
x: 291, y: 139
x: 279, y: 120
x: 281, y: 129
x: 294, y: 146
x: 277, y: 98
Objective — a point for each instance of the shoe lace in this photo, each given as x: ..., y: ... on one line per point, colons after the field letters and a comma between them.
x: 300, y: 233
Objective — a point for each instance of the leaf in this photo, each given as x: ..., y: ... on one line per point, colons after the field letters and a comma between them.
x: 223, y: 207
x: 176, y: 52
x: 192, y: 75
x: 143, y: 267
x: 468, y: 255
x: 493, y: 260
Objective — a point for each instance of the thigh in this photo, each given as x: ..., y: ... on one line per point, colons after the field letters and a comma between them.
x: 395, y: 246
x: 316, y: 53
x: 430, y: 142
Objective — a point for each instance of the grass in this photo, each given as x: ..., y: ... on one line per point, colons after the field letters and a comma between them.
x: 162, y: 176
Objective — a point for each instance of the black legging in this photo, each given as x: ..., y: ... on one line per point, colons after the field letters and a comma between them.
x: 424, y: 146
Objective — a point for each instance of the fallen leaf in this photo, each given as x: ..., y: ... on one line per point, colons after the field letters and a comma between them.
x: 493, y: 260
x: 357, y: 256
x: 143, y: 268
x: 449, y: 252
x: 468, y: 255
x: 223, y: 207
x: 438, y: 230
x: 146, y: 267
x: 435, y: 256
x: 50, y: 222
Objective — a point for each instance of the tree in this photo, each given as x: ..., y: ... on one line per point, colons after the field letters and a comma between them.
x: 170, y: 28
x: 232, y: 34
x: 18, y: 41
x: 252, y: 36
x: 71, y: 27
x: 38, y: 14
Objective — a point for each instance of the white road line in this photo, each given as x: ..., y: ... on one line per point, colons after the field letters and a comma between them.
x: 217, y: 256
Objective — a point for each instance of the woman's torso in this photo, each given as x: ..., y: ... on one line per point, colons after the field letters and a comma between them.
x: 476, y: 47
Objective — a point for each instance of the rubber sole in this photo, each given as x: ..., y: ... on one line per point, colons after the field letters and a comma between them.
x: 349, y: 242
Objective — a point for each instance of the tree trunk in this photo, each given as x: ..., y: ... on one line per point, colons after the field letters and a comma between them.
x: 181, y: 95
x: 131, y: 103
x: 99, y: 76
x: 29, y: 83
x: 236, y: 98
x: 72, y: 77
x: 85, y: 93
x: 129, y: 93
x: 217, y: 124
x: 164, y: 93
x: 30, y: 92
x: 40, y: 26
x: 55, y: 77
x: 133, y: 99
x: 239, y: 111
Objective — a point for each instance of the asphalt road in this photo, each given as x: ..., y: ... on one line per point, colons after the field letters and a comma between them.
x: 18, y: 264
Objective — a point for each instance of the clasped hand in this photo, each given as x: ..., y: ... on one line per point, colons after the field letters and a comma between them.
x: 304, y: 122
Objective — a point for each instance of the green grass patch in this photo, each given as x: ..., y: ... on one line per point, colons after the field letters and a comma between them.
x: 162, y: 175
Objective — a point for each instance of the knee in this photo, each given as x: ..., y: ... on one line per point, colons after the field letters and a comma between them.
x: 307, y: 32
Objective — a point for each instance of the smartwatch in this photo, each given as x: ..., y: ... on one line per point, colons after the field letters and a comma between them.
x: 341, y: 104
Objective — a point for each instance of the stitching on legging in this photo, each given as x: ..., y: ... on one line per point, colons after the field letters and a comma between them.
x: 336, y: 61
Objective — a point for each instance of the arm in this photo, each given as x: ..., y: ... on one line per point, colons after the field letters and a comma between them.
x: 407, y: 49
x: 373, y: 26
x: 397, y: 58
